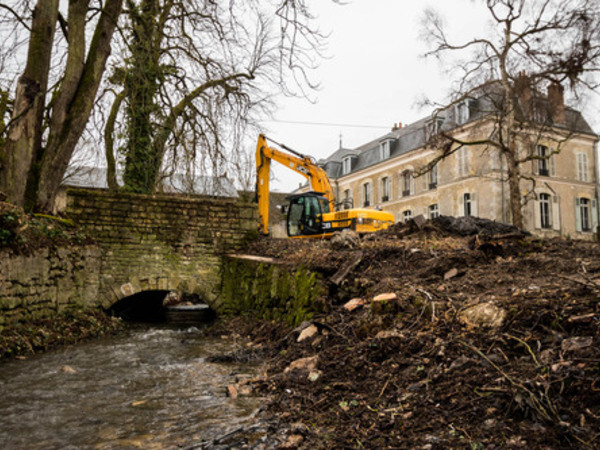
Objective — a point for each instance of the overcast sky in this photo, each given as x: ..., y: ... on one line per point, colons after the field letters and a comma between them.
x: 375, y: 76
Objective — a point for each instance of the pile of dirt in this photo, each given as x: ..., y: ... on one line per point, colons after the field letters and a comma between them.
x: 443, y: 335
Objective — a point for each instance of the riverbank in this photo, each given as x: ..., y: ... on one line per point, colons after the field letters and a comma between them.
x: 438, y: 339
x: 43, y: 270
x: 64, y: 328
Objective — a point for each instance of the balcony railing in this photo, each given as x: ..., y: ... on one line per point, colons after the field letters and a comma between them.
x: 406, y: 193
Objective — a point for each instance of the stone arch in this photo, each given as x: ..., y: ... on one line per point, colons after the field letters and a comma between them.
x: 161, y: 283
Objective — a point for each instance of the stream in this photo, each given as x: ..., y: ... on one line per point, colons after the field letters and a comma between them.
x: 149, y: 388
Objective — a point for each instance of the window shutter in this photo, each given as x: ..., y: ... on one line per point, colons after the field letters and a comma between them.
x: 594, y: 215
x: 555, y: 213
x: 474, y: 210
x: 582, y: 170
x: 552, y: 166
x: 412, y: 183
x: 426, y: 177
x: 461, y: 206
x: 537, y: 215
x: 577, y: 215
x: 535, y: 164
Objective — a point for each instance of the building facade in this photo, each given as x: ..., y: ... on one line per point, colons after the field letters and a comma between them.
x: 559, y: 185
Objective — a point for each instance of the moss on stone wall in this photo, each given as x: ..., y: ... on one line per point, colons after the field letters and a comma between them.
x: 270, y: 291
x: 39, y: 285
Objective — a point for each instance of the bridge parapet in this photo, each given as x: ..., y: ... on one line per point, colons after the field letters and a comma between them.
x: 161, y: 242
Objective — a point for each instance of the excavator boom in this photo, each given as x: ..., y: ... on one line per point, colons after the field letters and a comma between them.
x: 302, y: 164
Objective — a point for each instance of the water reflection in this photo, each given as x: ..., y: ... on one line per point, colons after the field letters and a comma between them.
x: 151, y: 388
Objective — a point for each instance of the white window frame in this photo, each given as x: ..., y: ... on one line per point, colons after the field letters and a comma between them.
x: 462, y: 112
x: 347, y: 198
x: 433, y: 177
x: 585, y: 214
x: 592, y: 214
x: 367, y: 192
x: 384, y: 149
x: 434, y: 126
x: 545, y: 208
x: 385, y: 189
x: 543, y: 164
x: 346, y: 165
x: 406, y: 181
x: 433, y: 211
x: 467, y: 205
x: 406, y: 215
x: 549, y: 219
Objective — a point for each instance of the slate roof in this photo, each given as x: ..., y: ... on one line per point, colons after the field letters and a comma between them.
x: 415, y: 135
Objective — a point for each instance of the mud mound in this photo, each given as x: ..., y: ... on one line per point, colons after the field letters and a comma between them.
x: 484, y: 338
x: 469, y: 226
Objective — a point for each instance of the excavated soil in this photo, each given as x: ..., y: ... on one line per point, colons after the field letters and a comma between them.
x: 423, y: 371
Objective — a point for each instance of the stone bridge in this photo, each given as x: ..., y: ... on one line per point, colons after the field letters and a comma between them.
x: 161, y: 243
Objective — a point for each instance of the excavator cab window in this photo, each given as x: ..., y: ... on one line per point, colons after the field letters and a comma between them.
x: 304, y: 216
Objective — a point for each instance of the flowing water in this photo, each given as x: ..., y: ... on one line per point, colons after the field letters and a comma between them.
x: 150, y: 388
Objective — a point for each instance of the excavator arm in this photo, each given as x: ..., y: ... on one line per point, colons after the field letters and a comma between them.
x: 302, y: 164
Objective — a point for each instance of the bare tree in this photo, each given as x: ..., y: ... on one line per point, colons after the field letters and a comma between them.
x: 191, y: 82
x: 44, y: 132
x: 214, y: 64
x: 533, y: 44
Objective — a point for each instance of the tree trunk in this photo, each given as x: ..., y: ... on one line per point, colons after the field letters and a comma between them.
x: 109, y: 151
x: 67, y: 126
x: 514, y: 177
x: 142, y: 164
x: 24, y: 141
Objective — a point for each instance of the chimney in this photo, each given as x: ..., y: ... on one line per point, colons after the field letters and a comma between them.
x: 395, y: 127
x: 556, y: 103
x: 399, y: 125
x: 523, y: 92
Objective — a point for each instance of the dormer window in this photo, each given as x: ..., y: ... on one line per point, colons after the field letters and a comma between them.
x: 384, y: 149
x: 346, y: 165
x: 434, y: 126
x: 463, y: 111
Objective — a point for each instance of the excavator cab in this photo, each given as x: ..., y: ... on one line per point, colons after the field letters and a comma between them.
x: 305, y: 214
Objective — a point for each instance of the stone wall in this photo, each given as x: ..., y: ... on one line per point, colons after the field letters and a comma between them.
x: 265, y: 289
x: 161, y: 242
x: 39, y: 285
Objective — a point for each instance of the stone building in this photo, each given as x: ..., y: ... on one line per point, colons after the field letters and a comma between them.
x: 559, y: 189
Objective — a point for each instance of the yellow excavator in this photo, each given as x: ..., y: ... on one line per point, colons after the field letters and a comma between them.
x: 312, y: 214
